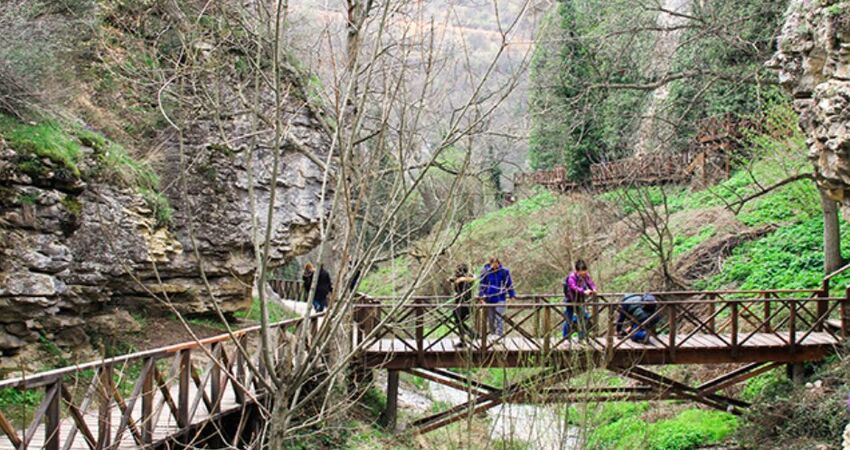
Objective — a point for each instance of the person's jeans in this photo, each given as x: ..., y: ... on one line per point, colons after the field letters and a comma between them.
x: 318, y: 305
x: 495, y: 317
x: 577, y: 319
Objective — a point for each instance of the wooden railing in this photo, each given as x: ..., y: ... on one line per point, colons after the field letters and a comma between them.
x: 288, y: 289
x: 645, y: 169
x: 648, y: 169
x: 127, y: 398
x: 732, y: 319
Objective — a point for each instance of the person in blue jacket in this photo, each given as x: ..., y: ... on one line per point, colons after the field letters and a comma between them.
x: 637, y: 317
x: 495, y: 284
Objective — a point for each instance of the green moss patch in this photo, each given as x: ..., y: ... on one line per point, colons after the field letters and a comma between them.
x: 35, y: 142
x: 41, y: 140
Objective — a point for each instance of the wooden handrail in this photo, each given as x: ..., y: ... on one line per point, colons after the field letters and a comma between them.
x: 451, y: 304
x: 47, y: 377
x: 619, y: 294
x: 836, y: 273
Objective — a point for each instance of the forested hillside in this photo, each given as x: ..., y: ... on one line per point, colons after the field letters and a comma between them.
x: 598, y: 65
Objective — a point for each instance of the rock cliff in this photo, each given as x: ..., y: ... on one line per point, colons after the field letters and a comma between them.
x: 73, y: 248
x: 78, y: 248
x: 813, y: 61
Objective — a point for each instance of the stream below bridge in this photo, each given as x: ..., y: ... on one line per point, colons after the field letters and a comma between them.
x: 542, y: 427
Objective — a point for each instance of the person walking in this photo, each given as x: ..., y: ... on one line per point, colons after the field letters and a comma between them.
x: 462, y: 287
x: 495, y: 284
x: 578, y: 287
x: 324, y: 286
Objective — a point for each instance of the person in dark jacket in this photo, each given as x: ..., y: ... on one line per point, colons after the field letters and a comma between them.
x: 462, y: 286
x: 324, y: 286
x: 578, y: 287
x: 637, y: 317
x: 494, y: 285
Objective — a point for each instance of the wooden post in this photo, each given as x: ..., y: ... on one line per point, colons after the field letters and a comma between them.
x: 672, y: 336
x: 147, y: 405
x: 104, y: 416
x: 609, y: 335
x: 537, y: 316
x: 389, y: 416
x: 796, y: 373
x: 420, y: 331
x: 766, y: 324
x: 482, y: 325
x: 822, y: 307
x: 711, y: 311
x: 734, y: 305
x: 51, y: 418
x: 845, y: 314
x: 792, y: 327
x: 215, y: 379
x: 594, y: 318
x: 547, y: 327
x: 240, y: 371
x: 183, y: 389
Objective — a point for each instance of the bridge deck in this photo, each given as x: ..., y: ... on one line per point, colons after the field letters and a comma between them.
x: 513, y: 351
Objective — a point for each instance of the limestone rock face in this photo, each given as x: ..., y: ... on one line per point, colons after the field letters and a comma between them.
x: 813, y: 62
x: 71, y: 251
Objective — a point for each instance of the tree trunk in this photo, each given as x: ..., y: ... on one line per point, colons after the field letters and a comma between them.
x: 832, y: 260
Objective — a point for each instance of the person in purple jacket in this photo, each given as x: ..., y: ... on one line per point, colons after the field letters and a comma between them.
x: 495, y: 283
x: 578, y: 287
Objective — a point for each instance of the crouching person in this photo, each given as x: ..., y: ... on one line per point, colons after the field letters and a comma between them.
x: 637, y: 317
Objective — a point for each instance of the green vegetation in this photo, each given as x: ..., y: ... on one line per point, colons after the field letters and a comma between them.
x: 790, y: 258
x: 770, y: 384
x: 19, y: 405
x: 374, y: 400
x: 27, y: 199
x: 42, y: 140
x: 276, y: 312
x: 577, y: 118
x: 72, y: 204
x: 800, y: 417
x: 389, y: 279
x: 690, y: 429
x: 49, y: 140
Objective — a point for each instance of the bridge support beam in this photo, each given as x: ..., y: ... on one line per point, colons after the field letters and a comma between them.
x: 389, y: 418
x: 796, y: 373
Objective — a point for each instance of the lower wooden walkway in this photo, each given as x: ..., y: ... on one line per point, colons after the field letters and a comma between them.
x: 166, y: 427
x: 171, y: 397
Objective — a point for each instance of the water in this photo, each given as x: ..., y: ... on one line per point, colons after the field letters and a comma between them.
x: 540, y: 426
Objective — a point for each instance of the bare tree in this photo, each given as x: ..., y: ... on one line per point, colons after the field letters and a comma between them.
x: 238, y: 84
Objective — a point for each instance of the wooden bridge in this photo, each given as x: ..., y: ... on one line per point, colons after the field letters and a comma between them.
x: 171, y: 397
x: 203, y: 392
x: 706, y: 161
